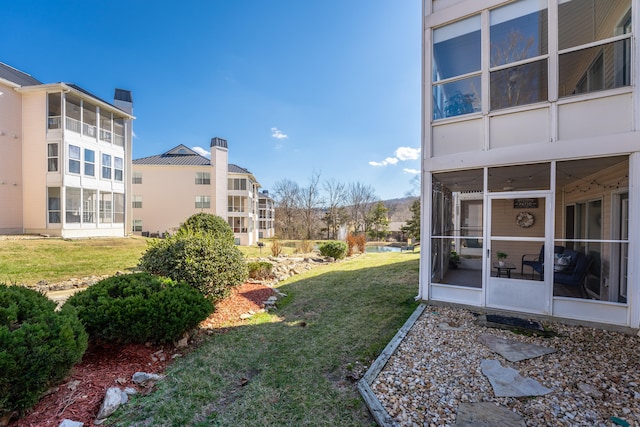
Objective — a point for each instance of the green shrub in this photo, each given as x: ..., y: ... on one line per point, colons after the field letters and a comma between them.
x: 260, y: 270
x: 210, y: 224
x: 139, y: 308
x: 335, y: 249
x: 210, y: 265
x: 38, y: 346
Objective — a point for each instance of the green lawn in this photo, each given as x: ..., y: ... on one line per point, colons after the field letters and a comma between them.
x: 290, y: 367
x: 31, y: 260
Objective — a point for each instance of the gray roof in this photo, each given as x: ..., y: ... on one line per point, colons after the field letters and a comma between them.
x: 237, y: 169
x: 7, y: 72
x: 180, y: 156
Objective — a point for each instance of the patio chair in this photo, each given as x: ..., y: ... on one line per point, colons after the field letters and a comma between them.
x: 576, y: 274
x: 537, y: 263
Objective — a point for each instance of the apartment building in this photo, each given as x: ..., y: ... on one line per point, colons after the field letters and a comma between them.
x: 531, y: 150
x: 170, y: 187
x: 266, y: 215
x: 65, y: 158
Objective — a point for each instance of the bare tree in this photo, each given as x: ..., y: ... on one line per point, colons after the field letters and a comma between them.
x: 336, y: 194
x: 310, y: 202
x: 360, y: 199
x: 287, y: 198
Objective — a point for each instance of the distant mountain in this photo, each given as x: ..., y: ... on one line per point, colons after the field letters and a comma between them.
x: 399, y: 209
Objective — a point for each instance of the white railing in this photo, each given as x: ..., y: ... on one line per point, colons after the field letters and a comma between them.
x: 118, y: 140
x: 105, y: 135
x: 89, y: 130
x: 72, y: 124
x: 54, y: 122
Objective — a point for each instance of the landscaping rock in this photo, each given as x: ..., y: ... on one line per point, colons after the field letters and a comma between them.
x: 143, y: 378
x: 70, y: 423
x: 110, y: 404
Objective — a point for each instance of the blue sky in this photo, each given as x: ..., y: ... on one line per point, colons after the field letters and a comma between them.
x: 295, y: 86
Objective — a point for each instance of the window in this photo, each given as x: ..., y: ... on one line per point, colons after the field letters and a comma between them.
x: 89, y: 202
x: 236, y: 204
x: 72, y: 205
x: 118, y: 208
x: 89, y: 162
x: 518, y: 58
x: 88, y: 119
x: 203, y: 178
x: 118, y: 169
x: 456, y: 68
x: 105, y: 126
x: 106, y: 166
x: 72, y: 111
x: 54, y: 115
x: 53, y: 205
x: 137, y: 225
x: 118, y: 131
x: 136, y: 202
x: 203, y: 202
x: 237, y: 184
x: 136, y: 177
x: 106, y: 208
x: 595, y: 49
x: 52, y: 157
x: 74, y: 159
x: 238, y: 224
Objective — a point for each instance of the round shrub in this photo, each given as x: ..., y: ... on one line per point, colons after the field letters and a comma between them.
x: 260, y: 270
x: 210, y: 265
x: 137, y: 308
x: 335, y: 249
x: 212, y: 225
x: 38, y: 346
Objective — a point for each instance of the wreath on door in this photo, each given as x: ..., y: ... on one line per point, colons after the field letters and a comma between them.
x: 525, y: 219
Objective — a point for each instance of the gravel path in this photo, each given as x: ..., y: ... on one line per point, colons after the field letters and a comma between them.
x: 595, y: 374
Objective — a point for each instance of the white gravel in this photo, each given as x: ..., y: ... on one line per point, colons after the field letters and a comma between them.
x: 595, y: 374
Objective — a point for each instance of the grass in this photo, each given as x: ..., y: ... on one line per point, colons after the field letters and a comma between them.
x: 290, y: 367
x: 30, y: 260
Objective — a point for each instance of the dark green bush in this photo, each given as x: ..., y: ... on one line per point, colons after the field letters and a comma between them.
x: 139, y: 308
x: 335, y: 249
x: 38, y: 346
x: 210, y: 224
x: 210, y: 265
x: 260, y: 269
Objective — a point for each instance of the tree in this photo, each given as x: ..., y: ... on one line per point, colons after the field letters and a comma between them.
x: 412, y: 228
x: 309, y: 203
x: 287, y: 198
x: 360, y: 198
x: 334, y: 216
x: 379, y: 222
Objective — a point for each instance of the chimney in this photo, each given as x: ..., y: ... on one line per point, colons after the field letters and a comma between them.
x: 219, y: 142
x: 123, y: 100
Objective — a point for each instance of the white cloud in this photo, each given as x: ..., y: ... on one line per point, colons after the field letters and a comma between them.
x: 385, y: 162
x: 202, y: 152
x: 277, y: 133
x: 407, y: 153
x: 411, y: 171
x: 401, y: 154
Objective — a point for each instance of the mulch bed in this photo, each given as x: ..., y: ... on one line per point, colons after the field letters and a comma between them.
x: 79, y: 397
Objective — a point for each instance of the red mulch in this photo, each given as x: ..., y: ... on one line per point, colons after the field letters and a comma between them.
x: 79, y: 397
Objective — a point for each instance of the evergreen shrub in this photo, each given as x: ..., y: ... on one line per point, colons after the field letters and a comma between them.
x: 212, y: 266
x: 213, y: 225
x: 334, y: 248
x: 38, y: 346
x: 260, y: 270
x: 139, y: 308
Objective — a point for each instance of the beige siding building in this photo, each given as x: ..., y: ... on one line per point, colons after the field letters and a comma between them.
x: 531, y: 148
x: 64, y: 158
x: 170, y: 187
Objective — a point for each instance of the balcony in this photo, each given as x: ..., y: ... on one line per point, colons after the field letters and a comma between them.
x: 89, y: 130
x: 54, y: 122
x: 105, y: 135
x: 72, y: 124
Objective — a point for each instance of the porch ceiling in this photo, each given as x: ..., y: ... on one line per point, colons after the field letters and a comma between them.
x: 525, y: 177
